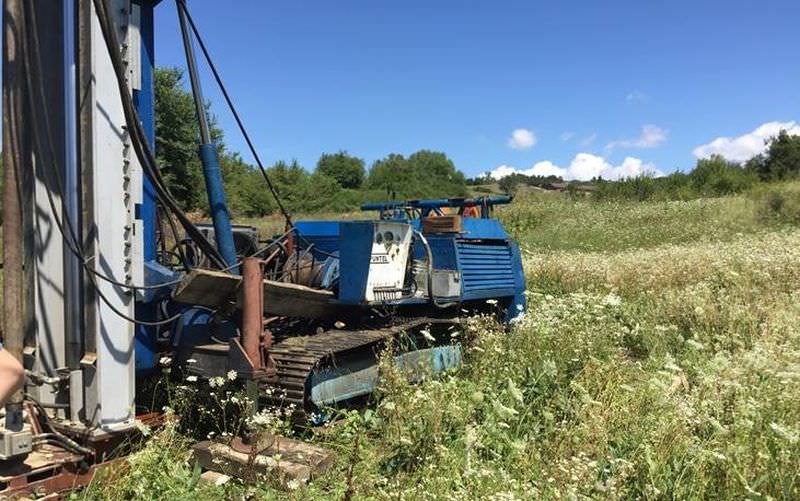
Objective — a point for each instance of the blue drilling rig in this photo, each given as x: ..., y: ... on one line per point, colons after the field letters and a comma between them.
x: 94, y: 298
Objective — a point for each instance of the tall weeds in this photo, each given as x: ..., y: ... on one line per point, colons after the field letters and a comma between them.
x: 659, y: 359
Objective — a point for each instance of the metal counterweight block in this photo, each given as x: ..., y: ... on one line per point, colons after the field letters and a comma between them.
x: 15, y: 443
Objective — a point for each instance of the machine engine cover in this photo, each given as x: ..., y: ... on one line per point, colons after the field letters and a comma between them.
x: 387, y: 264
x: 373, y: 260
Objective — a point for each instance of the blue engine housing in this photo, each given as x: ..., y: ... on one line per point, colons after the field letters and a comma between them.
x: 484, y: 260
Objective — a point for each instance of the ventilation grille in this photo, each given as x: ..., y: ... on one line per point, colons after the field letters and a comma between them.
x: 485, y: 266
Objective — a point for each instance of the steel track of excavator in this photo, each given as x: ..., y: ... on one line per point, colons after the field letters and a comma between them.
x: 297, y: 358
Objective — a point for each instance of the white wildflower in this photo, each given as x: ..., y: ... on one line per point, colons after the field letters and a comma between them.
x: 143, y: 428
x: 612, y: 299
x: 503, y: 411
x: 785, y: 432
x: 514, y: 391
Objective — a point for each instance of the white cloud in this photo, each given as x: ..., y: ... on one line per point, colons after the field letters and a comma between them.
x: 502, y: 171
x: 746, y: 146
x: 522, y: 139
x: 587, y: 141
x: 545, y: 168
x: 637, y: 96
x: 651, y: 136
x: 583, y: 167
x: 567, y: 135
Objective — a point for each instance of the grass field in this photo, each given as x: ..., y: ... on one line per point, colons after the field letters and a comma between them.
x: 660, y: 359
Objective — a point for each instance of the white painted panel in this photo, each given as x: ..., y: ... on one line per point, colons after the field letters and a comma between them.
x: 391, y: 245
x: 49, y: 287
x: 135, y: 44
x: 114, y: 240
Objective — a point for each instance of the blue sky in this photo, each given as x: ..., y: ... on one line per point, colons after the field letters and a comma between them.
x: 585, y: 84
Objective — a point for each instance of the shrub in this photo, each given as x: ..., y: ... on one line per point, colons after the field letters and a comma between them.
x: 778, y: 203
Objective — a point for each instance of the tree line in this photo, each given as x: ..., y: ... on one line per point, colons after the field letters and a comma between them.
x: 338, y: 182
x: 712, y: 176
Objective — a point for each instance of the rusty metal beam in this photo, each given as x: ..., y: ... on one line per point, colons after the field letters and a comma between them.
x: 252, y: 309
x: 62, y: 479
x: 17, y: 192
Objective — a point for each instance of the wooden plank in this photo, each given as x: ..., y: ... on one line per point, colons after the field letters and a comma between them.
x: 282, y: 461
x: 297, y: 451
x: 292, y: 300
x: 442, y: 224
x: 207, y: 288
x: 213, y: 288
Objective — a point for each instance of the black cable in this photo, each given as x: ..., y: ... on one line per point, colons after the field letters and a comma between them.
x: 55, y: 435
x: 138, y: 139
x: 52, y: 439
x: 132, y: 320
x: 71, y: 241
x: 181, y: 4
x: 175, y: 235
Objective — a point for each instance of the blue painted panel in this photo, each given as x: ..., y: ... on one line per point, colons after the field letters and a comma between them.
x: 324, y: 235
x: 443, y: 249
x: 355, y: 244
x: 519, y: 272
x: 144, y: 101
x: 218, y: 205
x: 318, y: 228
x: 357, y: 378
x: 155, y: 274
x: 487, y: 201
x: 479, y: 294
x: 486, y: 269
x: 487, y: 229
x: 519, y: 303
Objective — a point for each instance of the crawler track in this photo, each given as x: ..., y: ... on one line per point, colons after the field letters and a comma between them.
x: 296, y: 358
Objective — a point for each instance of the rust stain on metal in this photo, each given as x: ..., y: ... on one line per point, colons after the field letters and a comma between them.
x: 252, y: 310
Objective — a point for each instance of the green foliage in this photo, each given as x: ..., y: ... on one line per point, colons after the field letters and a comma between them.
x: 711, y: 177
x: 551, y: 220
x: 714, y: 176
x: 424, y: 174
x: 176, y: 151
x: 301, y: 191
x: 658, y: 360
x: 717, y: 176
x: 509, y: 184
x: 246, y: 190
x: 781, y: 161
x: 347, y: 170
x: 176, y: 138
x: 337, y: 184
x: 778, y: 203
x: 392, y: 174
